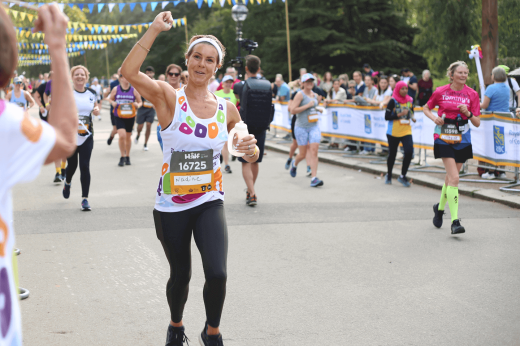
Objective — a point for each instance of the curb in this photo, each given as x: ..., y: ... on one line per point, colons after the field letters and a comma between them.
x: 419, y: 179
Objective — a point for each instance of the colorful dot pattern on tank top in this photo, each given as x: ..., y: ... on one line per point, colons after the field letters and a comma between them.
x: 189, y: 125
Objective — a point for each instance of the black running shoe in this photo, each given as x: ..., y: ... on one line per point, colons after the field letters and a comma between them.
x: 57, y: 178
x: 109, y: 141
x: 127, y: 161
x: 210, y: 340
x: 251, y: 201
x: 228, y: 169
x: 176, y: 337
x: 437, y: 219
x: 85, y: 206
x: 66, y: 191
x: 456, y: 227
x: 121, y: 162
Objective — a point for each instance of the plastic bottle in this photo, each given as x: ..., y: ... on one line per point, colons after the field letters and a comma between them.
x: 240, y: 130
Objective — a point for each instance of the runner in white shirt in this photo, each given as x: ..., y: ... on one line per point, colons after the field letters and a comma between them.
x: 99, y: 95
x: 26, y: 144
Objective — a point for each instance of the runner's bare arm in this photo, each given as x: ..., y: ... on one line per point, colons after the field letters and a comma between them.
x: 30, y: 99
x: 149, y: 88
x: 138, y: 103
x: 112, y: 97
x: 8, y: 96
x: 63, y: 117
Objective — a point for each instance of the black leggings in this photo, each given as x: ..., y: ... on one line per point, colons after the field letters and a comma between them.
x: 207, y: 222
x: 84, y: 152
x: 393, y: 144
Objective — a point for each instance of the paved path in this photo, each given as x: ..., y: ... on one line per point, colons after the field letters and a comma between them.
x: 352, y: 263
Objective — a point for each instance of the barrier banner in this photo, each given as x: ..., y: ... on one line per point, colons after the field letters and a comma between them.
x: 496, y: 141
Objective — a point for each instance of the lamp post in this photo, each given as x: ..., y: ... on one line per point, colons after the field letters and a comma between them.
x: 239, y: 14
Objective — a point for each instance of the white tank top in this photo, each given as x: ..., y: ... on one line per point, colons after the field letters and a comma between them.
x: 190, y: 146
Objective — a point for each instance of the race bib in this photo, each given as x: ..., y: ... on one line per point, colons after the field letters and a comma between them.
x: 450, y: 134
x: 83, y: 125
x: 192, y: 172
x: 147, y: 104
x: 20, y: 104
x: 404, y: 121
x: 126, y: 110
x: 313, y: 116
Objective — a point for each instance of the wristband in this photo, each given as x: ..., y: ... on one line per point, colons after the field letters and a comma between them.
x: 470, y: 115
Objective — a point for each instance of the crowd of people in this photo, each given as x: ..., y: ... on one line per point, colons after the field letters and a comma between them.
x: 196, y: 112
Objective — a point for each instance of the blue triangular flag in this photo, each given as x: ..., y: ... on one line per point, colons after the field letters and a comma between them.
x: 90, y: 7
x: 100, y: 7
x: 247, y: 2
x: 210, y: 2
x: 154, y: 5
x: 143, y: 6
x: 175, y: 3
x: 99, y: 30
x: 132, y: 6
x: 121, y: 5
x: 199, y: 3
x: 71, y: 5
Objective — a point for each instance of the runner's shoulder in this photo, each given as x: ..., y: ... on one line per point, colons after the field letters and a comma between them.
x: 91, y: 90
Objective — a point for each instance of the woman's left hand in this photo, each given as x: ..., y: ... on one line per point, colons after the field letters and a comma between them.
x: 463, y: 109
x: 95, y: 111
x: 246, y: 145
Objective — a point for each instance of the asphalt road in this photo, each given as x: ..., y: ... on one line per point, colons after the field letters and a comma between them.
x: 354, y: 262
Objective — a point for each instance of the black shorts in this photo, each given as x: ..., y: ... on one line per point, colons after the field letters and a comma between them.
x: 447, y: 150
x: 113, y: 119
x: 145, y: 115
x: 127, y: 124
x: 293, y: 122
x: 260, y: 143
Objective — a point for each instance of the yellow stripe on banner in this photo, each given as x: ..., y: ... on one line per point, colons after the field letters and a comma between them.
x: 496, y: 163
x: 495, y: 116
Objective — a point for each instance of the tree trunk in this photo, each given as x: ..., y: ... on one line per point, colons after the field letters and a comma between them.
x: 489, y: 43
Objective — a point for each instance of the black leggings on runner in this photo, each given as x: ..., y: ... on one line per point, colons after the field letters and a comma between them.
x: 207, y: 222
x: 84, y: 152
x: 393, y: 144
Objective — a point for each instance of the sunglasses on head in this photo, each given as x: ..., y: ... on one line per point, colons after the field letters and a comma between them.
x: 18, y: 83
x: 176, y: 74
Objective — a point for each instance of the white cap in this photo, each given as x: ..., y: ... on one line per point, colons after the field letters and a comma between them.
x: 226, y: 78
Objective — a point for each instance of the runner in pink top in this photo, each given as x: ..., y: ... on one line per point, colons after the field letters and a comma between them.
x: 458, y: 105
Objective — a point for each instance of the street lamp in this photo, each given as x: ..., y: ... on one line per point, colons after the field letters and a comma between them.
x: 239, y: 14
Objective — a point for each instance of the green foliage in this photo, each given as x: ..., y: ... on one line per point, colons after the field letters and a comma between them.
x: 447, y: 29
x: 508, y: 33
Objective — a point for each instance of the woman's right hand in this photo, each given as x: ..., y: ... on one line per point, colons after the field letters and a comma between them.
x: 53, y: 23
x: 162, y: 22
x: 438, y: 121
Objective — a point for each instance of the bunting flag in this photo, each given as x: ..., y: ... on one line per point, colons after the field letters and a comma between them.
x: 142, y: 5
x: 26, y: 32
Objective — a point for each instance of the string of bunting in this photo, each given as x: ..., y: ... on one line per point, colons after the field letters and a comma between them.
x: 26, y: 32
x: 144, y: 5
x: 22, y: 57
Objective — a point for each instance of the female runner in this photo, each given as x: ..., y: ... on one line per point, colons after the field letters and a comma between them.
x: 194, y: 128
x: 86, y: 101
x: 458, y: 105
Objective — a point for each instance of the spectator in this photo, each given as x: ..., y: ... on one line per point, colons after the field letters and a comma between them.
x: 230, y: 71
x: 185, y: 77
x: 343, y: 78
x: 368, y: 70
x: 425, y: 88
x: 162, y: 77
x: 336, y: 94
x: 318, y: 80
x: 369, y: 93
x: 392, y: 81
x: 213, y: 84
x: 384, y: 93
x: 283, y: 92
x: 351, y: 90
x: 412, y: 85
x: 326, y: 85
x: 296, y: 84
x: 496, y: 99
x: 360, y: 86
x: 219, y: 79
x: 404, y: 75
x: 375, y: 80
x: 514, y: 90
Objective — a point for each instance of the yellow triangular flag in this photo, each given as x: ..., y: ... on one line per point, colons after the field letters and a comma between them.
x: 134, y: 26
x: 116, y: 29
x: 140, y: 28
x: 104, y: 37
x: 15, y: 14
x: 33, y: 35
x: 30, y: 17
x: 27, y: 33
x: 22, y: 15
x: 22, y: 33
x: 89, y: 26
x: 128, y: 28
x: 96, y: 27
x: 75, y: 24
x: 82, y: 26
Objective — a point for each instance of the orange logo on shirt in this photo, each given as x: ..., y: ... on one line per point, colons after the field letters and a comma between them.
x: 3, y: 241
x: 165, y: 168
x: 31, y: 131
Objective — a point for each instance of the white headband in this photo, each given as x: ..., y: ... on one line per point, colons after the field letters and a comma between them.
x: 210, y: 41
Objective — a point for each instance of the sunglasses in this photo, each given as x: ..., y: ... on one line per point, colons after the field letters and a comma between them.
x: 18, y: 83
x: 120, y: 75
x: 174, y: 74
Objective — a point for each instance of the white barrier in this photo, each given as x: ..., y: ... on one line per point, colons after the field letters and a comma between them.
x: 496, y: 141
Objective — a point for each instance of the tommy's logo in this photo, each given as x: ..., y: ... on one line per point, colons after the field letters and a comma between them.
x: 368, y: 123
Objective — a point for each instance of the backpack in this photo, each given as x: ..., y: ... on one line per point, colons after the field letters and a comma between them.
x: 256, y: 106
x: 515, y: 97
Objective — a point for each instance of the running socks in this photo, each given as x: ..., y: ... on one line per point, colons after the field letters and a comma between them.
x: 63, y: 164
x: 444, y: 198
x: 58, y: 170
x: 452, y: 194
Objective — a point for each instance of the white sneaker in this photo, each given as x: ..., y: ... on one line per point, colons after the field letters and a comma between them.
x: 145, y: 148
x: 502, y: 176
x: 347, y: 149
x: 488, y: 176
x: 136, y: 140
x: 363, y: 152
x: 99, y: 118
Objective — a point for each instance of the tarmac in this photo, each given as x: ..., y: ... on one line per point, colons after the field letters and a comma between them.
x: 354, y: 262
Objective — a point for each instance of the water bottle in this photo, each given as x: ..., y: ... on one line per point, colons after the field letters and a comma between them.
x: 240, y: 130
x: 459, y: 121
